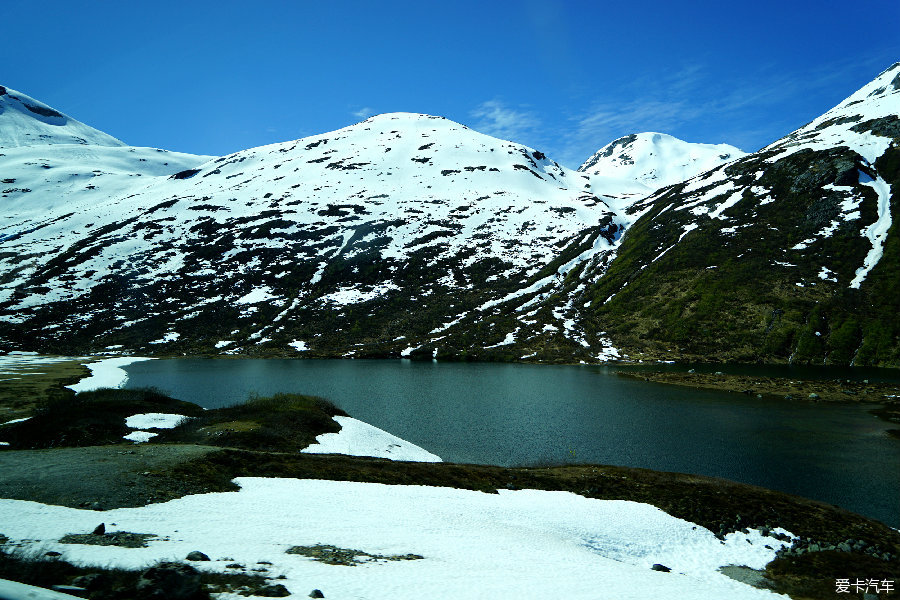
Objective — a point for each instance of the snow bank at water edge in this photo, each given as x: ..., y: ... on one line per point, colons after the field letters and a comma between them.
x: 106, y: 374
x: 361, y: 439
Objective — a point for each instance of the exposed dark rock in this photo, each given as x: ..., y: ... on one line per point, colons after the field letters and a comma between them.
x: 186, y: 174
x: 316, y: 594
x: 41, y: 110
x: 272, y: 591
x: 196, y: 555
x: 99, y: 529
x: 659, y: 567
x: 90, y: 581
x: 171, y: 581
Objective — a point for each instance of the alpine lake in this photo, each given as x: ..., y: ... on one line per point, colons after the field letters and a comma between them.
x: 532, y: 415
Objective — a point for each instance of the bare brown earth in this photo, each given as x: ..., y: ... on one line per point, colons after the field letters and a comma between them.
x: 98, y: 477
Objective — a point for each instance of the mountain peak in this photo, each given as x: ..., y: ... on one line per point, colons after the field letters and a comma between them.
x: 656, y: 159
x: 866, y: 121
x: 25, y: 121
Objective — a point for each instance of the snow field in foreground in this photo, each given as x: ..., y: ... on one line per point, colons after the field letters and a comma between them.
x: 515, y: 544
x: 357, y: 438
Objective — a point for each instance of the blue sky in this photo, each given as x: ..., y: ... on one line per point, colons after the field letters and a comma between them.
x: 565, y: 77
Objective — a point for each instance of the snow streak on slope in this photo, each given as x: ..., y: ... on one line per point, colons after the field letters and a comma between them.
x: 847, y: 140
x: 25, y: 121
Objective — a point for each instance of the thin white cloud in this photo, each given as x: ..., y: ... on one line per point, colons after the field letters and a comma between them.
x: 496, y: 119
x: 685, y: 98
x: 363, y: 113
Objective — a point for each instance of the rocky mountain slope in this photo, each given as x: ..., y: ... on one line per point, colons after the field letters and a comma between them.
x: 789, y: 253
x: 365, y: 240
x: 412, y: 235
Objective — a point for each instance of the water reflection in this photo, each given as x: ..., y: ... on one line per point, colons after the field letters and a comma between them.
x: 511, y: 414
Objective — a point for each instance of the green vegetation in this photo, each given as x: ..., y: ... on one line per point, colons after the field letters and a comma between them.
x: 105, y: 583
x: 749, y: 294
x: 90, y: 418
x: 123, y: 539
x: 24, y: 388
x: 332, y: 555
x: 282, y: 423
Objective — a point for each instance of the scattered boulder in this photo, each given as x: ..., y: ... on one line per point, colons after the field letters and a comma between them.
x: 272, y: 591
x: 196, y: 555
x: 186, y: 174
x: 171, y: 581
x: 99, y: 529
x: 316, y: 594
x: 659, y: 567
x: 89, y: 582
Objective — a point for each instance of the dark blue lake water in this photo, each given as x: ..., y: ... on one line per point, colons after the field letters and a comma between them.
x: 515, y: 414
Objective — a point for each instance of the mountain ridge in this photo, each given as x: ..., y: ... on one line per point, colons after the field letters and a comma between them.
x: 28, y: 121
x: 412, y: 235
x: 813, y: 212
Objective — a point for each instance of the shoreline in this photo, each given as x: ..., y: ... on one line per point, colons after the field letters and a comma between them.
x: 789, y: 389
x: 149, y: 475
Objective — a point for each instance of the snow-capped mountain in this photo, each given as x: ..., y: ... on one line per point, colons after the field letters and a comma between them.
x: 408, y: 234
x: 788, y: 253
x: 27, y: 122
x: 375, y: 234
x: 636, y: 165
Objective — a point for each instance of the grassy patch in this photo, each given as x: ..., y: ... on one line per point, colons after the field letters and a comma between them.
x: 813, y: 576
x: 283, y: 422
x: 332, y: 555
x: 90, y: 418
x: 123, y: 539
x: 28, y: 385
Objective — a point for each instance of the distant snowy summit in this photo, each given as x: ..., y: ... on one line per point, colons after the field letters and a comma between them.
x: 25, y: 121
x: 656, y: 159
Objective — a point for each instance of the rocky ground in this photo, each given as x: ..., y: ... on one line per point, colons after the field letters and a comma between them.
x: 97, y: 477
